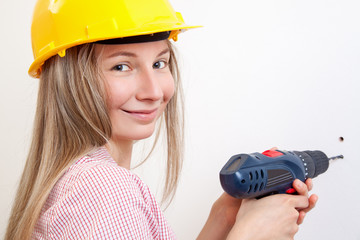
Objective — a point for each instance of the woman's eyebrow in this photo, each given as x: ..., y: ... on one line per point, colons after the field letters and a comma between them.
x: 122, y: 53
x: 163, y: 52
x: 131, y: 54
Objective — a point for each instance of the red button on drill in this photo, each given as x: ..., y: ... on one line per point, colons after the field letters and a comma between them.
x: 290, y: 191
x: 272, y: 153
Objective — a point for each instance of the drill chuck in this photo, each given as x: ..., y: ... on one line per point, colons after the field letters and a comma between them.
x: 315, y: 162
x: 256, y: 175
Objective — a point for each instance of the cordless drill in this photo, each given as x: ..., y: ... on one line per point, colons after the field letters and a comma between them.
x: 261, y: 174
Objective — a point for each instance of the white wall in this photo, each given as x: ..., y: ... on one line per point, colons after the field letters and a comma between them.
x: 17, y: 98
x: 259, y: 74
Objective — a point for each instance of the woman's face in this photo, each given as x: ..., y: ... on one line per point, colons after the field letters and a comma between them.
x: 139, y: 84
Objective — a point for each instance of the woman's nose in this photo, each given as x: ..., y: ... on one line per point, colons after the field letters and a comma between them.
x: 149, y: 87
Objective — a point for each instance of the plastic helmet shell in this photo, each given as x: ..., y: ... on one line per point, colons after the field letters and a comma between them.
x: 61, y: 24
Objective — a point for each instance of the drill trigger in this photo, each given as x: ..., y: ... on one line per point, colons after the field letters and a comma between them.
x: 290, y: 191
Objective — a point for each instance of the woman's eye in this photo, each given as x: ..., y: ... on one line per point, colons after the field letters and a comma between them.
x: 121, y: 67
x: 160, y: 64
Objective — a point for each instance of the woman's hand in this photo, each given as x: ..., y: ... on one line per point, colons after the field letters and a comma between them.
x: 270, y: 218
x: 275, y: 217
x: 221, y: 219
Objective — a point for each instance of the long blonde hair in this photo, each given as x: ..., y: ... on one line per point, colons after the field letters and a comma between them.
x: 71, y: 120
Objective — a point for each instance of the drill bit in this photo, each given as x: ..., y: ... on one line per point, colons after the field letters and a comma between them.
x: 336, y: 157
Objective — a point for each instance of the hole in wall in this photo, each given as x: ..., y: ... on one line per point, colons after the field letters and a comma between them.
x: 341, y: 139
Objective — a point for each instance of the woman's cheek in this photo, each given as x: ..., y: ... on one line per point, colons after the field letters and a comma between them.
x: 169, y: 90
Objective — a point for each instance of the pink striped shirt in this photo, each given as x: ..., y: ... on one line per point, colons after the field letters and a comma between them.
x: 97, y: 199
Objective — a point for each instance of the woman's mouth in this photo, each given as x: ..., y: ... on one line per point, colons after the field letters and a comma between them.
x: 143, y: 115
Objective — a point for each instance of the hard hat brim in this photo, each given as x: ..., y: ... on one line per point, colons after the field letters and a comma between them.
x: 137, y: 39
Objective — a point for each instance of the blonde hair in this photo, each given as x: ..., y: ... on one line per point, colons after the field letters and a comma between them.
x: 71, y: 120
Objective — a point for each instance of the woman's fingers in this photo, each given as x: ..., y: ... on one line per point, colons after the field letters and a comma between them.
x: 301, y: 188
x: 301, y: 218
x: 309, y: 184
x: 312, y: 202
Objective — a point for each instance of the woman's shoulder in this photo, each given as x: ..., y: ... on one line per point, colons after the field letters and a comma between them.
x: 98, y: 168
x: 96, y: 195
x: 96, y: 179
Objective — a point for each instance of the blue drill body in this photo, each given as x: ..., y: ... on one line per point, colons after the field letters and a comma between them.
x: 256, y: 175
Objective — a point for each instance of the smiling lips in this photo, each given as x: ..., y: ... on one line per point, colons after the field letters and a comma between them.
x: 143, y: 115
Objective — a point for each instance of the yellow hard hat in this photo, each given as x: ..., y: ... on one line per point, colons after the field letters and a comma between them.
x: 60, y: 24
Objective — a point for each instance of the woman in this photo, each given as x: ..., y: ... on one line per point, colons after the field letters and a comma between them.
x: 108, y: 74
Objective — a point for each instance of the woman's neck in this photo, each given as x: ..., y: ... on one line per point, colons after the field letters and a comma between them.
x: 120, y: 151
